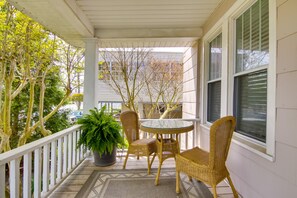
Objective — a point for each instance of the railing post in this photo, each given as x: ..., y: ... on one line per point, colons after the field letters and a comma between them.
x: 65, y: 146
x: 193, y: 136
x: 27, y: 175
x: 187, y: 139
x: 73, y: 149
x: 14, y: 177
x: 2, y: 180
x: 45, y: 175
x: 81, y: 148
x: 37, y: 173
x: 69, y: 152
x: 59, y: 172
x: 78, y: 157
x: 53, y: 163
x: 197, y: 140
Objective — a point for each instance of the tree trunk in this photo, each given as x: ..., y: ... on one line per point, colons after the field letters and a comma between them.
x: 41, y: 105
x: 27, y: 130
x: 5, y: 145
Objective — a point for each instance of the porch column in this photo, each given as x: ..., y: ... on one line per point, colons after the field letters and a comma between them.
x: 90, y: 74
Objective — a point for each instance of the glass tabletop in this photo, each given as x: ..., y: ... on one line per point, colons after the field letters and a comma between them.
x: 166, y: 126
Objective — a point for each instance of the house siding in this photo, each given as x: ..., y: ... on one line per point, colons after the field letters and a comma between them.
x: 190, y: 75
x: 106, y: 93
x: 253, y: 175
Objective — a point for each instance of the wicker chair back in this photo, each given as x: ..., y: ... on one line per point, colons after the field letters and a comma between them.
x: 221, y: 133
x: 130, y: 123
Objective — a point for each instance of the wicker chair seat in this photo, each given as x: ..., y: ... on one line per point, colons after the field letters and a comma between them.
x: 144, y: 141
x: 196, y: 155
x: 143, y: 147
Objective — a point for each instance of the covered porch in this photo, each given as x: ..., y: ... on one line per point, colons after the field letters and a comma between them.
x: 261, y: 164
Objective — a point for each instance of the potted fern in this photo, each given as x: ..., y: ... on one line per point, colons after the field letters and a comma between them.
x: 101, y: 134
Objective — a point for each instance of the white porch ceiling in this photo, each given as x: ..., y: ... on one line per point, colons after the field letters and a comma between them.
x: 122, y: 23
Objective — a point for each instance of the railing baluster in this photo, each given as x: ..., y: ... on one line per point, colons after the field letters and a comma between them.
x: 186, y: 139
x: 69, y: 152
x: 78, y: 148
x: 2, y: 180
x: 14, y: 177
x: 194, y: 135
x: 86, y: 151
x: 45, y: 175
x: 65, y: 146
x: 73, y: 149
x: 27, y: 175
x: 59, y: 171
x: 37, y: 173
x: 81, y: 147
x: 53, y: 163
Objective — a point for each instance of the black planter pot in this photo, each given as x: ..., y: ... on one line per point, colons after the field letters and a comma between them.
x: 106, y: 159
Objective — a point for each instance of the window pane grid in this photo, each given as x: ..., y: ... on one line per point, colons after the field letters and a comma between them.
x: 252, y: 37
x: 251, y: 102
x: 214, y: 101
x: 250, y: 78
x: 214, y: 83
x: 215, y: 58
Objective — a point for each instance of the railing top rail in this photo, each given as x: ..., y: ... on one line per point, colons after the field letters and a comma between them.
x: 20, y: 151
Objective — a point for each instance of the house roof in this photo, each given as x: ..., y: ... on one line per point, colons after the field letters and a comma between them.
x: 122, y: 23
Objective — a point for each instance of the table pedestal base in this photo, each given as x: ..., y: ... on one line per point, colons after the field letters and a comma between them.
x: 166, y: 148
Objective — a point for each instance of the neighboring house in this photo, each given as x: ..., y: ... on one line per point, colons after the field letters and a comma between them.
x: 108, y: 96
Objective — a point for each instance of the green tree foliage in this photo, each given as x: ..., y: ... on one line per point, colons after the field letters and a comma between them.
x: 35, y: 78
x: 77, y: 98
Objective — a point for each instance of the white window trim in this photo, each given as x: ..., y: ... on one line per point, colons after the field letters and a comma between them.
x: 226, y: 26
x: 271, y: 89
x: 268, y: 148
x: 224, y: 55
x: 206, y: 42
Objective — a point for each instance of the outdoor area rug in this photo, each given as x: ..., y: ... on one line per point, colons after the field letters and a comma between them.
x: 137, y: 184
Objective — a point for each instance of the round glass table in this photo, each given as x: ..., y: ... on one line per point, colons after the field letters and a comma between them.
x: 166, y: 146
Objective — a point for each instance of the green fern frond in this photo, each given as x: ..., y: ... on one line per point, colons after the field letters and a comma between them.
x: 100, y: 131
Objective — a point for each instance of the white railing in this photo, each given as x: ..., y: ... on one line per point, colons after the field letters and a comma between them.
x: 186, y: 140
x: 47, y: 161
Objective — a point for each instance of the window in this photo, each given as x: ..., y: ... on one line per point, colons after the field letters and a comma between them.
x: 250, y: 78
x: 214, y: 79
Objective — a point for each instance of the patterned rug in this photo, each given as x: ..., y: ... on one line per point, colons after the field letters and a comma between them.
x: 137, y: 184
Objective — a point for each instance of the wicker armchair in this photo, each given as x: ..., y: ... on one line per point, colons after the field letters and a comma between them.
x: 209, y: 167
x: 138, y: 147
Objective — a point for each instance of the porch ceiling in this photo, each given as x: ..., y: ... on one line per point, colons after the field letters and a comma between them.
x: 122, y: 23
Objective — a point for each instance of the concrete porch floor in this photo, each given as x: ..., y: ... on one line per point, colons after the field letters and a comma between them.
x: 74, y: 182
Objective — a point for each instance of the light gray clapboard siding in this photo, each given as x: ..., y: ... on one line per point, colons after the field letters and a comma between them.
x: 190, y: 83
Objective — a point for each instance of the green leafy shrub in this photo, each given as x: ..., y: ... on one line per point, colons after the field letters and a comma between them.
x: 100, y: 131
